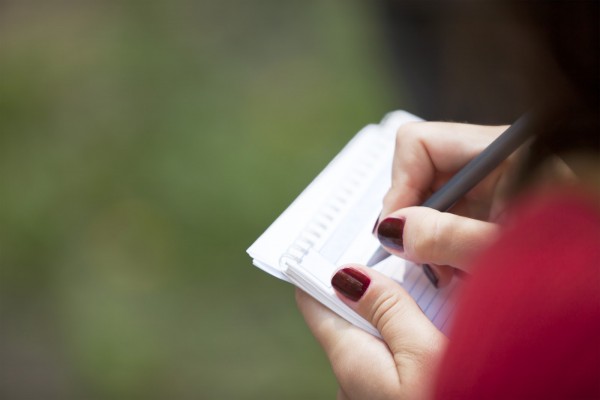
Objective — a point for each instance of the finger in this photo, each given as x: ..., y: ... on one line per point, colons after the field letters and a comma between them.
x: 430, y: 152
x: 423, y: 235
x: 341, y: 395
x: 362, y: 364
x: 414, y: 341
x: 442, y: 274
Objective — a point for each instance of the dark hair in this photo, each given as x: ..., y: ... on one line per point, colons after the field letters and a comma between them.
x: 568, y: 32
x: 490, y: 61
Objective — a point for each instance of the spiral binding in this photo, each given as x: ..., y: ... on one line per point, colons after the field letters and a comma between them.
x: 319, y: 225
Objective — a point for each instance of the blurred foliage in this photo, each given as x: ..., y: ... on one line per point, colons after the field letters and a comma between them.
x: 143, y: 146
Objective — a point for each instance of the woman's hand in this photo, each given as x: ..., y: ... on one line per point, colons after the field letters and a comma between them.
x: 400, y: 366
x: 427, y: 155
x: 403, y: 364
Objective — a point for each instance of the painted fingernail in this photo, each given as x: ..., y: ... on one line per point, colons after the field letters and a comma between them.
x: 430, y: 274
x: 351, y: 283
x: 376, y: 223
x: 390, y: 231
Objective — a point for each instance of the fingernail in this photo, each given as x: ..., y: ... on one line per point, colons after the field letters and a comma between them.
x: 390, y: 231
x: 351, y: 283
x: 376, y: 223
x: 430, y: 274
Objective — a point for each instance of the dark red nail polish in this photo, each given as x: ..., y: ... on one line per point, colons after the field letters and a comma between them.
x: 351, y: 283
x: 390, y: 232
x: 376, y: 223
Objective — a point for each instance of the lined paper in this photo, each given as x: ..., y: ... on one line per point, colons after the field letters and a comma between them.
x: 330, y: 224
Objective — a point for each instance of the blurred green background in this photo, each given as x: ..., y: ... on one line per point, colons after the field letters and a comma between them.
x: 143, y: 146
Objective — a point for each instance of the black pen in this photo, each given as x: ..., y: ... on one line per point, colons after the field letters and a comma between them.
x: 477, y: 169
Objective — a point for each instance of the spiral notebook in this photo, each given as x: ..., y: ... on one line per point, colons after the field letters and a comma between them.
x: 329, y: 224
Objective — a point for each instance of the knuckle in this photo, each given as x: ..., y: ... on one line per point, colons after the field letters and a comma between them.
x: 427, y: 239
x: 391, y: 195
x: 408, y: 133
x: 386, y: 308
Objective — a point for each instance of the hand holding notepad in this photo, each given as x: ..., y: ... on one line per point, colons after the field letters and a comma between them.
x: 330, y: 224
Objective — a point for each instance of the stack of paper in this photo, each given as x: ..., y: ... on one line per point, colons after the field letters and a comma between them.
x: 330, y: 225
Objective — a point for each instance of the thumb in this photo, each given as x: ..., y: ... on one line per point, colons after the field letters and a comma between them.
x: 424, y: 235
x: 411, y: 337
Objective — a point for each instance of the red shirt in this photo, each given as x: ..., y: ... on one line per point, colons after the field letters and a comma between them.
x: 528, y: 323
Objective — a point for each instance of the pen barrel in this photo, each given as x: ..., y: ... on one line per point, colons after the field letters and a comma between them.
x: 481, y: 166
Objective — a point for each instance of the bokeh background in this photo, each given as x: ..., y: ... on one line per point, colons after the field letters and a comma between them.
x: 143, y: 146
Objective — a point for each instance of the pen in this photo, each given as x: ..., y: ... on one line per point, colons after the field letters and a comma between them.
x: 478, y: 168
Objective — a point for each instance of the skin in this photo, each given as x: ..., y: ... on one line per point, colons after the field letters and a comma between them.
x: 403, y: 364
x: 426, y: 156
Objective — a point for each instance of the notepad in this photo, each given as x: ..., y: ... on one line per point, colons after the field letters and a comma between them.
x: 329, y: 224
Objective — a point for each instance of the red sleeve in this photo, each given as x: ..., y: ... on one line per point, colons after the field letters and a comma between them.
x: 528, y: 322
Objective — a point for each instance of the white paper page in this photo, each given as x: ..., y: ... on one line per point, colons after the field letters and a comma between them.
x: 437, y: 304
x: 330, y: 224
x: 315, y: 280
x: 309, y: 220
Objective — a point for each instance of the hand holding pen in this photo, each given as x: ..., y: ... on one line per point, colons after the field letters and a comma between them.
x: 464, y: 166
